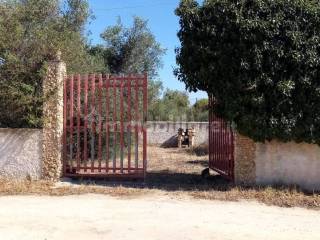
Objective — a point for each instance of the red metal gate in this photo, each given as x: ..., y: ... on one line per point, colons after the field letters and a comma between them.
x: 221, y: 145
x: 104, y: 126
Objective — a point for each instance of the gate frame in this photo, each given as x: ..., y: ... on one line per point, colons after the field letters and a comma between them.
x: 126, y: 82
x: 221, y: 145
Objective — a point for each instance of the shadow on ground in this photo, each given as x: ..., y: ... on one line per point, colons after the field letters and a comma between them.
x: 167, y: 181
x: 203, y: 163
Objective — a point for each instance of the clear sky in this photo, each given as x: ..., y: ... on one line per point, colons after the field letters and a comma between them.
x: 162, y: 22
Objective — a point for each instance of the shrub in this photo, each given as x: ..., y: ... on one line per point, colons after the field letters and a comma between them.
x: 259, y: 59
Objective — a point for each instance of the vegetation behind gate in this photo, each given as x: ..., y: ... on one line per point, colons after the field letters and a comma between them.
x: 259, y: 59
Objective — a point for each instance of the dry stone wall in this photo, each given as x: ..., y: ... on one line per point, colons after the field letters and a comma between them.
x: 244, y: 165
x: 53, y: 120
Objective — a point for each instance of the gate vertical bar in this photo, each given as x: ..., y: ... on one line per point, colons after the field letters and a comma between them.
x: 107, y: 122
x: 121, y: 125
x: 71, y: 122
x: 114, y: 124
x: 224, y: 147
x: 65, y: 104
x: 93, y: 91
x: 232, y: 153
x: 129, y: 122
x: 78, y: 119
x: 136, y: 123
x: 220, y: 142
x: 145, y: 113
x: 210, y: 131
x: 85, y: 148
x: 100, y: 122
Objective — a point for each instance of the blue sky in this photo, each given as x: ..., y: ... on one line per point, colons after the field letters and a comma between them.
x: 162, y: 22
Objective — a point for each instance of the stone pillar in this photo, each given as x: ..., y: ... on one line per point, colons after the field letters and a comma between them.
x: 53, y: 119
x: 244, y: 160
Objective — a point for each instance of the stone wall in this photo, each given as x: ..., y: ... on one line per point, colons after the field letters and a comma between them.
x: 165, y: 133
x: 53, y: 120
x: 276, y: 162
x: 20, y: 153
x: 244, y: 160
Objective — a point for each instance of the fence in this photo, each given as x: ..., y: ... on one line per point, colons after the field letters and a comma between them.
x: 104, y: 125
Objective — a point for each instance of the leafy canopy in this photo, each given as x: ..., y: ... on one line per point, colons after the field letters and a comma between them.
x: 31, y: 32
x: 259, y: 59
x: 130, y: 49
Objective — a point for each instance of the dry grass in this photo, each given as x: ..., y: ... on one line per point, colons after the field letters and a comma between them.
x: 282, y: 197
x: 176, y: 173
x: 49, y: 188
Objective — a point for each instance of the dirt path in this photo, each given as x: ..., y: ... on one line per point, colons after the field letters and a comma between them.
x: 150, y: 217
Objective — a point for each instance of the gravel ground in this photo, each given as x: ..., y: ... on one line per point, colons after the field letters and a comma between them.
x: 150, y: 216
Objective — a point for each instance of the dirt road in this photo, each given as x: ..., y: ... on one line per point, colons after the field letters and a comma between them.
x: 150, y: 217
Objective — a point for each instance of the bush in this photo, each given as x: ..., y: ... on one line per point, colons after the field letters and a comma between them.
x: 31, y: 33
x: 259, y: 59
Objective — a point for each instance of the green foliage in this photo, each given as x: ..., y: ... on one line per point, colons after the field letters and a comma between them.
x: 173, y: 106
x: 259, y: 59
x: 130, y: 50
x: 31, y: 32
x: 199, y: 110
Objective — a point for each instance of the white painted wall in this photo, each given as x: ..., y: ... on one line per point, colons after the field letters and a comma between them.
x: 288, y: 163
x: 20, y: 153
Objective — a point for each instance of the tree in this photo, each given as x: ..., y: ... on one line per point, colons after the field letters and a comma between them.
x: 155, y: 89
x: 199, y: 110
x: 31, y: 32
x: 133, y: 50
x: 259, y: 59
x: 130, y: 50
x: 175, y: 105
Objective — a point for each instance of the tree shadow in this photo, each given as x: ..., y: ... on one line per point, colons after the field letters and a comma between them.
x: 172, y: 142
x: 165, y: 180
x: 172, y: 181
x: 203, y: 163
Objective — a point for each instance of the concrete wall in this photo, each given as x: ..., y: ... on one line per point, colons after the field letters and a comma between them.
x: 20, y: 153
x: 288, y: 163
x: 277, y: 162
x: 165, y: 133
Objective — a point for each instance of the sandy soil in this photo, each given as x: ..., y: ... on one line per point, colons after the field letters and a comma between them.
x: 150, y: 217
